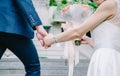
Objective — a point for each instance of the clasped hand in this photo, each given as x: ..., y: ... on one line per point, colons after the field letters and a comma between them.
x: 44, y: 38
x: 47, y: 40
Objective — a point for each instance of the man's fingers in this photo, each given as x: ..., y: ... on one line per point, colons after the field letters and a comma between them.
x: 42, y: 42
x: 43, y: 32
x: 39, y: 36
x: 47, y: 46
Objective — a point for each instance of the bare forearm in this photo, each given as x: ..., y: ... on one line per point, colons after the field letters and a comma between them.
x: 68, y: 35
x: 74, y: 33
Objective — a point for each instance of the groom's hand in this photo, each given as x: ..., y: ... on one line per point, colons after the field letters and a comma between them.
x: 41, y: 33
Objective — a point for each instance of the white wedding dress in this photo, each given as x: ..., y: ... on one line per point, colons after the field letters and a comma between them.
x: 106, y: 58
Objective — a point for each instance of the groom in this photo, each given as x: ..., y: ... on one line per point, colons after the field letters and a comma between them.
x: 18, y: 19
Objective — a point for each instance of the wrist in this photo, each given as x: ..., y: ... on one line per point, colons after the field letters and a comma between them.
x: 38, y: 26
x: 54, y: 40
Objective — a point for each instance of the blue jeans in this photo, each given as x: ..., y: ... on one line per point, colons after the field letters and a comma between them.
x: 24, y: 49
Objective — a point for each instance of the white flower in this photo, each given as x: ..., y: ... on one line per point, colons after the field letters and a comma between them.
x: 76, y: 13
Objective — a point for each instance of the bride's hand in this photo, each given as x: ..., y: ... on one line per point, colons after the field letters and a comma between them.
x: 87, y: 40
x: 48, y: 40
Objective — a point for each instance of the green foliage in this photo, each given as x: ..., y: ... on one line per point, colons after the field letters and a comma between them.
x: 60, y: 6
x: 92, y: 4
x: 75, y: 1
x: 52, y: 3
x: 64, y: 1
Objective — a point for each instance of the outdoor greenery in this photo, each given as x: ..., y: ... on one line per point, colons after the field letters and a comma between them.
x: 64, y: 3
x: 52, y: 3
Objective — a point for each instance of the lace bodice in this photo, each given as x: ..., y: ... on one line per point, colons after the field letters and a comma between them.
x: 107, y: 34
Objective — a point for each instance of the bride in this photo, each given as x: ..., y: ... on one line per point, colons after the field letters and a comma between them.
x: 104, y: 25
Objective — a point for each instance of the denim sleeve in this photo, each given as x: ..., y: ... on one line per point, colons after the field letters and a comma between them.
x: 28, y: 11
